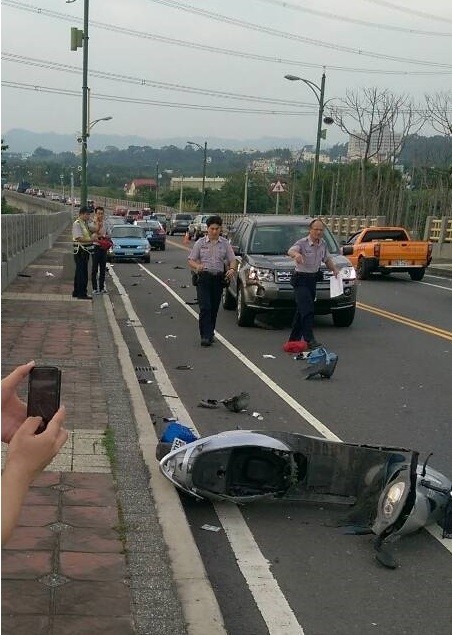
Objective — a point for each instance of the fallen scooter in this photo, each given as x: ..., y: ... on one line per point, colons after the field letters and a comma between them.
x: 387, y: 491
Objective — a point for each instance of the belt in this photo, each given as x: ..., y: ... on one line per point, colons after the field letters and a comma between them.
x: 213, y: 273
x: 306, y: 274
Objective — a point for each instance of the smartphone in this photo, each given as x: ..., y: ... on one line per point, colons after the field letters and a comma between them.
x: 44, y: 387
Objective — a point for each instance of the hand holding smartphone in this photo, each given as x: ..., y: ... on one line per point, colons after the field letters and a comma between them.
x: 44, y: 387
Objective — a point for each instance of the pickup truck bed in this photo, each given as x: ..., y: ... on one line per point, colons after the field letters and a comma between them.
x: 385, y: 250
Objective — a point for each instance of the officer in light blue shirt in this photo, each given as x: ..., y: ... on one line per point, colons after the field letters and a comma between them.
x: 309, y: 253
x: 213, y: 259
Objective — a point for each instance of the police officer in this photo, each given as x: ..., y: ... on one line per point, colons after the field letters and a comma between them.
x: 309, y: 253
x: 209, y: 258
x: 83, y: 244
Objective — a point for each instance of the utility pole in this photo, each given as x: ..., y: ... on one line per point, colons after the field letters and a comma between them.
x: 181, y: 192
x: 204, y: 164
x: 84, y: 175
x: 156, y: 185
x: 245, y: 195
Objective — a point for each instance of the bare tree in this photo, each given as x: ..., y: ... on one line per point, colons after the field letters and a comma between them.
x: 439, y: 112
x: 380, y: 122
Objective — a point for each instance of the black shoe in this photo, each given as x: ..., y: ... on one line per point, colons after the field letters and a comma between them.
x: 313, y: 344
x: 83, y: 297
x: 212, y: 339
x: 205, y: 342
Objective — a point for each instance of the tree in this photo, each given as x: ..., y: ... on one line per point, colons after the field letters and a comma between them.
x: 439, y: 108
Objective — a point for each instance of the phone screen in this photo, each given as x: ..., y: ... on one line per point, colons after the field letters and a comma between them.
x: 44, y: 393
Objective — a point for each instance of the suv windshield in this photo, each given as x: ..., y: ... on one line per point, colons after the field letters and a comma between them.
x: 273, y: 240
x: 183, y: 217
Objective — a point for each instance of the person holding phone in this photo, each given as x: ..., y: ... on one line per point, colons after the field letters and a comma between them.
x: 28, y: 453
x: 99, y: 257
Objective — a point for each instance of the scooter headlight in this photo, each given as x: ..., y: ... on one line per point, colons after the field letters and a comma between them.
x: 392, y: 498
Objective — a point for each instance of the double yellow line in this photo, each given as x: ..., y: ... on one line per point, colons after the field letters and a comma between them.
x: 427, y: 328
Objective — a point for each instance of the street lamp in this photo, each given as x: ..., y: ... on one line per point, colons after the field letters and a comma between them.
x: 93, y: 123
x: 319, y: 92
x: 204, y: 163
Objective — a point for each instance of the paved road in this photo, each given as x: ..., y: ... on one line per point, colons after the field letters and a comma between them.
x: 286, y: 568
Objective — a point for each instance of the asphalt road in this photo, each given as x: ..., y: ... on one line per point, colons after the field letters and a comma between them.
x: 286, y: 568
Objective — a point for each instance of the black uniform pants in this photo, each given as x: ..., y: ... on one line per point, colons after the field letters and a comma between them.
x: 99, y: 264
x: 81, y: 273
x: 304, y: 285
x: 210, y: 289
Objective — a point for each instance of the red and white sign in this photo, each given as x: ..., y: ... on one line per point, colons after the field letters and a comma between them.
x: 278, y: 187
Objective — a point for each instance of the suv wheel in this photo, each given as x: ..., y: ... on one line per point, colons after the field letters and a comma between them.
x: 344, y: 317
x: 228, y: 300
x: 245, y: 316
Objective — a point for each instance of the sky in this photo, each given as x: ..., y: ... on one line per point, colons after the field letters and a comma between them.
x: 245, y: 52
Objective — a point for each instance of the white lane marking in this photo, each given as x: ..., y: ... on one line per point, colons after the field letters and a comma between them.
x: 436, y: 286
x: 200, y: 606
x: 305, y: 414
x: 269, y: 598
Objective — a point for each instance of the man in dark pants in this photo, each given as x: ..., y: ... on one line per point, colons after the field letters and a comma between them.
x: 208, y: 258
x: 309, y: 253
x: 99, y: 255
x: 83, y: 241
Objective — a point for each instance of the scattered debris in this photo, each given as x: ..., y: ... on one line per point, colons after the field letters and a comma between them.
x: 134, y: 284
x: 191, y: 302
x: 178, y: 267
x: 237, y: 403
x: 184, y: 286
x: 137, y: 275
x: 184, y: 367
x: 257, y: 415
x: 210, y: 527
x: 164, y: 305
x: 142, y: 380
x: 208, y: 403
x: 268, y: 356
x: 49, y: 274
x: 158, y: 262
x: 24, y: 275
x: 170, y: 336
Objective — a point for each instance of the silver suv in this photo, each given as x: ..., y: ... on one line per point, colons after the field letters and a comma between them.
x: 262, y: 282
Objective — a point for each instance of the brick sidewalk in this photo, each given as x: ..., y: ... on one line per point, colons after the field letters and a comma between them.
x: 64, y: 569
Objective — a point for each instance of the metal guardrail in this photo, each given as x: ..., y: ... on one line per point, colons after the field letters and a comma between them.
x: 438, y: 230
x: 25, y: 237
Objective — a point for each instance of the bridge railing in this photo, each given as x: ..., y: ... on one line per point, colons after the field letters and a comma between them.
x: 27, y: 236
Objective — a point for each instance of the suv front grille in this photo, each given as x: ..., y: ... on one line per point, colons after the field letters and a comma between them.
x: 283, y: 275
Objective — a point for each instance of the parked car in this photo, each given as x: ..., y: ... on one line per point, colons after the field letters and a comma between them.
x: 120, y: 210
x: 154, y: 231
x: 55, y: 197
x: 262, y: 283
x: 179, y: 223
x: 129, y: 243
x: 198, y: 227
x: 40, y: 194
x: 133, y: 215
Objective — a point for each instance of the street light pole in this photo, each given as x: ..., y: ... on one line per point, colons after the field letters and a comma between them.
x: 319, y: 92
x: 85, y: 131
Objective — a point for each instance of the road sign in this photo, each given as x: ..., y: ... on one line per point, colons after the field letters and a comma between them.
x: 278, y: 187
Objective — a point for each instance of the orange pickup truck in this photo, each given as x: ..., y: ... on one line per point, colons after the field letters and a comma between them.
x: 385, y: 250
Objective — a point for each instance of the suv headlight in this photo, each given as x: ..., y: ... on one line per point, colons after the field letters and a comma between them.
x: 348, y: 273
x: 392, y: 499
x: 256, y: 274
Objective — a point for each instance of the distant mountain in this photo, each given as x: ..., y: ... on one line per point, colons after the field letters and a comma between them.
x: 20, y: 140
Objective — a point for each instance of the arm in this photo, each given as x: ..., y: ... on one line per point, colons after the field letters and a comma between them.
x: 194, y: 261
x: 331, y: 266
x: 232, y: 263
x: 294, y: 252
x: 28, y: 455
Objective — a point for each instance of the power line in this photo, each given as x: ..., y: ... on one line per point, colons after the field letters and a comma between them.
x: 291, y: 36
x: 212, y: 49
x: 398, y: 7
x: 167, y: 104
x: 341, y: 18
x: 141, y: 81
x: 150, y: 102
